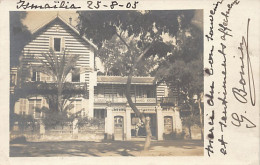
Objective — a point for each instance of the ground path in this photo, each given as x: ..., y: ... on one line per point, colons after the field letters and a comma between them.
x: 113, y: 148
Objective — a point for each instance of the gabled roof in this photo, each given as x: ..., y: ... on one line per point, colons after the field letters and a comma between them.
x: 68, y: 25
x: 123, y: 80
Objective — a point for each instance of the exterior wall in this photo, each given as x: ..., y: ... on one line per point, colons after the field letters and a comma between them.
x: 110, y: 98
x: 22, y: 106
x: 70, y: 41
x: 73, y: 44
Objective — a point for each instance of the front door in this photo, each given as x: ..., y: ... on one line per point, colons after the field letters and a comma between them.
x: 168, y: 125
x: 118, y: 128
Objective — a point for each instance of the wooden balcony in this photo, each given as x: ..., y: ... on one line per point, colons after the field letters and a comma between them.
x: 145, y: 100
x: 123, y: 100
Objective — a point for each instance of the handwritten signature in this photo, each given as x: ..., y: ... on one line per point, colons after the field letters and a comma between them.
x: 240, y: 93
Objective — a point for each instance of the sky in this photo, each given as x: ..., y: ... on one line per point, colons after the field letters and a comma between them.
x: 35, y: 19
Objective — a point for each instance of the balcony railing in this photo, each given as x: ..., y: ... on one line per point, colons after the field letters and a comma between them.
x: 123, y: 100
x: 110, y: 99
x: 168, y: 101
x: 145, y: 100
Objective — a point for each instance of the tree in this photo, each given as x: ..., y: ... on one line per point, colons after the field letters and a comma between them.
x: 116, y: 59
x: 58, y: 66
x: 58, y: 91
x: 146, y: 27
x: 19, y: 36
x: 185, y: 66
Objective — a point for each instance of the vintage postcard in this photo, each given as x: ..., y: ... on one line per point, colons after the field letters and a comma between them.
x: 130, y: 82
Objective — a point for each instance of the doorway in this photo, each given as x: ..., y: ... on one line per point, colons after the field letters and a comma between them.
x: 118, y: 128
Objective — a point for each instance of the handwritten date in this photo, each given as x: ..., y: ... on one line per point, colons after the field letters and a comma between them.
x: 112, y: 5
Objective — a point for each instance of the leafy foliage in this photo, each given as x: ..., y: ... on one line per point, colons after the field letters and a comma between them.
x: 53, y: 119
x: 25, y: 122
x: 147, y: 26
x: 58, y: 66
x: 118, y: 61
x: 19, y: 36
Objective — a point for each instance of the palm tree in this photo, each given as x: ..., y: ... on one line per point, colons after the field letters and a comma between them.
x: 58, y: 66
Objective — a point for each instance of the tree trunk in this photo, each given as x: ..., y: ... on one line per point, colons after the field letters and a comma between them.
x: 138, y: 113
x: 148, y: 134
x: 201, y: 123
x: 59, y: 96
x: 128, y: 95
x: 190, y: 132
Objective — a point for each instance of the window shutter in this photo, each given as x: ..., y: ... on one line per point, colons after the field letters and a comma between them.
x: 51, y: 43
x: 63, y: 43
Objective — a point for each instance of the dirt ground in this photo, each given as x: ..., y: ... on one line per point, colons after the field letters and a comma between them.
x: 113, y: 148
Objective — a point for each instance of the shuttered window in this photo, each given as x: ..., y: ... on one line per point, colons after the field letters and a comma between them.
x: 22, y: 106
x: 57, y: 44
x: 36, y: 76
x: 75, y: 77
x: 33, y: 103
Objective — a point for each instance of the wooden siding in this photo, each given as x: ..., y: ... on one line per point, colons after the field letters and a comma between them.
x: 73, y: 43
x: 160, y: 90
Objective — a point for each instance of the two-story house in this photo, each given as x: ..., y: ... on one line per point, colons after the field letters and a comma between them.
x: 121, y: 121
x: 58, y: 35
x: 106, y: 94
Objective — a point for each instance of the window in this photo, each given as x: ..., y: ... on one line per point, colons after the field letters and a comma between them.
x: 150, y: 93
x: 134, y: 119
x: 33, y: 103
x: 12, y: 79
x: 22, y: 106
x: 57, y: 44
x: 99, y: 113
x: 36, y: 76
x: 75, y: 75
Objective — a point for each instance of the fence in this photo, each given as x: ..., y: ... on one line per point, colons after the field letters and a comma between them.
x: 86, y: 131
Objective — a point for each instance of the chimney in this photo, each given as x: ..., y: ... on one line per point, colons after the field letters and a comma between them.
x: 70, y: 20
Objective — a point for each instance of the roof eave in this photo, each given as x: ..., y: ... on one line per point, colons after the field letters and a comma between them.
x: 70, y: 26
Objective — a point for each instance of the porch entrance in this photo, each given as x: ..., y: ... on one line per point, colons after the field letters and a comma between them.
x: 118, y: 128
x: 168, y: 125
x: 138, y: 127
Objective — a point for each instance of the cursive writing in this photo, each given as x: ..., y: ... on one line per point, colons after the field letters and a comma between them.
x: 224, y: 25
x: 211, y: 16
x: 57, y: 4
x: 223, y: 99
x: 239, y: 121
x: 210, y: 101
x: 240, y: 93
x: 210, y: 136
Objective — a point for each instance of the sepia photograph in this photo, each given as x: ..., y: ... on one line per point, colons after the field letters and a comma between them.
x: 106, y: 83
